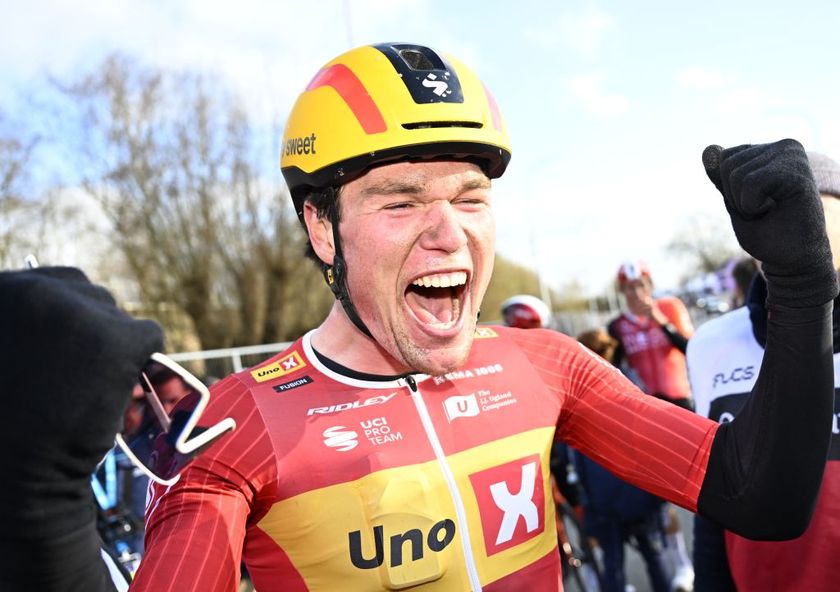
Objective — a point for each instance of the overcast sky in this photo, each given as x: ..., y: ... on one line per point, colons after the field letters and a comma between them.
x: 609, y: 104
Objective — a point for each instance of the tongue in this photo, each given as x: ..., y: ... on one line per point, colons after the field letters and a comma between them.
x: 432, y: 305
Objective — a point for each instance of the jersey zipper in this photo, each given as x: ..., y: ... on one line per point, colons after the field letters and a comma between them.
x: 460, y: 512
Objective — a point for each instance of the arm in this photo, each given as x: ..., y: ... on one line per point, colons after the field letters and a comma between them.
x: 618, y: 355
x: 673, y: 317
x: 729, y: 473
x: 68, y: 361
x: 677, y: 339
x: 194, y: 535
x: 776, y: 448
x: 195, y: 529
x: 766, y: 465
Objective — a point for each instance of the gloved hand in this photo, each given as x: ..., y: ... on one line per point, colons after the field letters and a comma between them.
x: 772, y: 200
x: 68, y: 361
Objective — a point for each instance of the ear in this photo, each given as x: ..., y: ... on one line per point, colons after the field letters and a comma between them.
x: 320, y: 233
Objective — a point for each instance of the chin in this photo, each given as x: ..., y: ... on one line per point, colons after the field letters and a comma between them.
x: 440, y: 361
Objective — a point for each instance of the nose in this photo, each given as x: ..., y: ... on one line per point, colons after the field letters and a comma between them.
x: 444, y: 229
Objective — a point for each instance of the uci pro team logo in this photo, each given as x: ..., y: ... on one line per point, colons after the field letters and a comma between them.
x: 341, y: 438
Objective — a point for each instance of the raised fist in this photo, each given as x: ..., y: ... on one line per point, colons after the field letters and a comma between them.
x: 772, y: 200
x: 68, y: 361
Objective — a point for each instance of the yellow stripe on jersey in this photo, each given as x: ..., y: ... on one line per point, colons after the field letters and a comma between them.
x: 398, y: 528
x: 492, y: 564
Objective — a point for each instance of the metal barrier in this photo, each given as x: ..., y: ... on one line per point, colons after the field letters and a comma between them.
x: 233, y: 353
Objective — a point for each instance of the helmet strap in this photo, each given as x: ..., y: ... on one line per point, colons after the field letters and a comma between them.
x: 336, y: 275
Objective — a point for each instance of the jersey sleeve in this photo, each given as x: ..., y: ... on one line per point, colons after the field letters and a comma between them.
x: 195, y: 529
x: 650, y: 443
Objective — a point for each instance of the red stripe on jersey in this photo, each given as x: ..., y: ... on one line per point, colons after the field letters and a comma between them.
x: 269, y: 565
x: 541, y: 576
x: 350, y: 88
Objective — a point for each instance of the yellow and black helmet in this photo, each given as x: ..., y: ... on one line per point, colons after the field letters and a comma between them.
x: 385, y: 103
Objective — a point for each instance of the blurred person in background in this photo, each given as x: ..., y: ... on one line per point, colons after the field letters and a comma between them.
x: 743, y: 274
x: 525, y: 312
x: 652, y: 336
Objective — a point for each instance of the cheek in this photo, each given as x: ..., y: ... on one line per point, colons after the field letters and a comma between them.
x: 483, y: 237
x: 373, y: 259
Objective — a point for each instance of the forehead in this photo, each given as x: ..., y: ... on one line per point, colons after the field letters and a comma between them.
x: 642, y: 282
x: 419, y: 177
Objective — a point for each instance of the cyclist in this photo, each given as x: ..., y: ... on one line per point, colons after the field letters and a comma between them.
x: 525, y: 312
x: 398, y: 444
x: 652, y: 336
x: 723, y: 361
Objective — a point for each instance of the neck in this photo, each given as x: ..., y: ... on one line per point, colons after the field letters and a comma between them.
x: 340, y: 340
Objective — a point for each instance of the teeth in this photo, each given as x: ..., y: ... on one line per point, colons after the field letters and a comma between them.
x: 442, y: 280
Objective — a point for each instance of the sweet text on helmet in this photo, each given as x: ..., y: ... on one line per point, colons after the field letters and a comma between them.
x: 304, y: 145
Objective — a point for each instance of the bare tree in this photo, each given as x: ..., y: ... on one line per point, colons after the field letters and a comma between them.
x: 19, y: 214
x: 704, y: 243
x: 177, y: 166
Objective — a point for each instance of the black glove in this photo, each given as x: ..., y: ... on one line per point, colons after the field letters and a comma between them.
x: 772, y: 200
x: 69, y: 359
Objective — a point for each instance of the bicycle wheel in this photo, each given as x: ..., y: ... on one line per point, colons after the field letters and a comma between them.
x: 581, y: 570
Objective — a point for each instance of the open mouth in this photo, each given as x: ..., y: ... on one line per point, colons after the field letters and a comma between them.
x: 436, y: 299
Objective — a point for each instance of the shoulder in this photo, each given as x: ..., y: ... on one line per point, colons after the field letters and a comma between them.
x: 725, y: 328
x: 531, y: 338
x: 670, y: 301
x: 543, y: 348
x: 244, y: 394
x: 286, y: 363
x: 671, y: 305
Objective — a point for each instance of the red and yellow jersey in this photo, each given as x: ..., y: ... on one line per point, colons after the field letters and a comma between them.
x: 334, y: 483
x: 649, y: 352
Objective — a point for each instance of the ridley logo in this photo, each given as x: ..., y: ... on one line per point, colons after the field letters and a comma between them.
x: 377, y: 400
x: 511, y: 502
x: 340, y: 438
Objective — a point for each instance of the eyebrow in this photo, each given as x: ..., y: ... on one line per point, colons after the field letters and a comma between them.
x: 409, y: 188
x: 392, y: 188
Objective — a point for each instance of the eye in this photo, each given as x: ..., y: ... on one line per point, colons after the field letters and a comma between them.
x: 399, y: 205
x: 471, y: 201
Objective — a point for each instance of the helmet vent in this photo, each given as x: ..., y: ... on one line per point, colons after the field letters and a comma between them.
x: 429, y: 124
x: 416, y: 60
